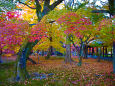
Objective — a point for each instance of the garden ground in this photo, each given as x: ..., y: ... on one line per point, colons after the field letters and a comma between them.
x: 91, y: 73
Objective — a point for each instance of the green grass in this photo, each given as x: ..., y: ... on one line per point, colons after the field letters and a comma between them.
x: 6, y: 71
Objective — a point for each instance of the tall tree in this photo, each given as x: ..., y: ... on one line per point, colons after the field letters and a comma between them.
x: 77, y: 25
x: 27, y: 46
x: 72, y: 6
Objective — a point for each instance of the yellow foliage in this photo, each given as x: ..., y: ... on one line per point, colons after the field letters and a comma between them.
x: 54, y: 15
x: 17, y: 49
x: 28, y: 14
x: 84, y: 12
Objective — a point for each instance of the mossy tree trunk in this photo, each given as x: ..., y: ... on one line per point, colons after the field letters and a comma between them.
x: 81, y: 54
x: 24, y: 52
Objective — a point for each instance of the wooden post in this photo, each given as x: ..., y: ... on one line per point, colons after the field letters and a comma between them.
x: 92, y: 50
x: 97, y: 51
x: 100, y: 51
x: 89, y: 50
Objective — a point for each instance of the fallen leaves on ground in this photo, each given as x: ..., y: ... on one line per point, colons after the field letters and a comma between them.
x: 91, y: 73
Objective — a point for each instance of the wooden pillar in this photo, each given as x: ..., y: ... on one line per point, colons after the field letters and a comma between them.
x: 92, y: 50
x: 89, y: 50
x: 103, y: 51
x: 100, y: 51
x: 97, y: 51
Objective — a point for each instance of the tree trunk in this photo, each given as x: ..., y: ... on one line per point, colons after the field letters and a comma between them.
x: 21, y: 73
x: 68, y: 50
x: 111, y: 52
x: 68, y: 54
x: 106, y: 52
x: 85, y: 52
x: 81, y: 55
x: 99, y: 54
x: 113, y: 56
x: 49, y: 53
x: 50, y: 50
x: 0, y: 58
x: 103, y: 51
x: 76, y: 49
x: 24, y: 52
x: 0, y: 54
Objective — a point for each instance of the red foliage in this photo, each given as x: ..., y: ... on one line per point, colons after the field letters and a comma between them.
x: 14, y: 32
x: 75, y: 23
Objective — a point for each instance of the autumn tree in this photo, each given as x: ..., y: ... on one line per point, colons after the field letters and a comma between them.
x: 27, y: 45
x: 76, y: 25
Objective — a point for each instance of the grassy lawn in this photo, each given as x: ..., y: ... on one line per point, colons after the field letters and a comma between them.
x: 91, y: 73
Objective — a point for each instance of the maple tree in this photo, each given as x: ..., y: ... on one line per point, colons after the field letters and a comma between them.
x: 78, y: 27
x: 15, y: 33
x: 72, y: 6
x: 26, y: 46
x: 71, y: 21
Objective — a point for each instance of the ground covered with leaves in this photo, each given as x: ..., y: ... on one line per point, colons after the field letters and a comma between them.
x: 57, y: 73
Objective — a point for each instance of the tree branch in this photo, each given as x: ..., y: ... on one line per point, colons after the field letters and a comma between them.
x: 90, y: 40
x: 38, y: 10
x: 47, y: 3
x: 55, y: 4
x: 87, y: 38
x: 100, y: 11
x: 31, y: 60
x: 26, y: 4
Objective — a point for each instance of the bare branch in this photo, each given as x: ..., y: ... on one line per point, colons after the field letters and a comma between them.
x: 55, y: 4
x: 26, y: 4
x: 100, y: 11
